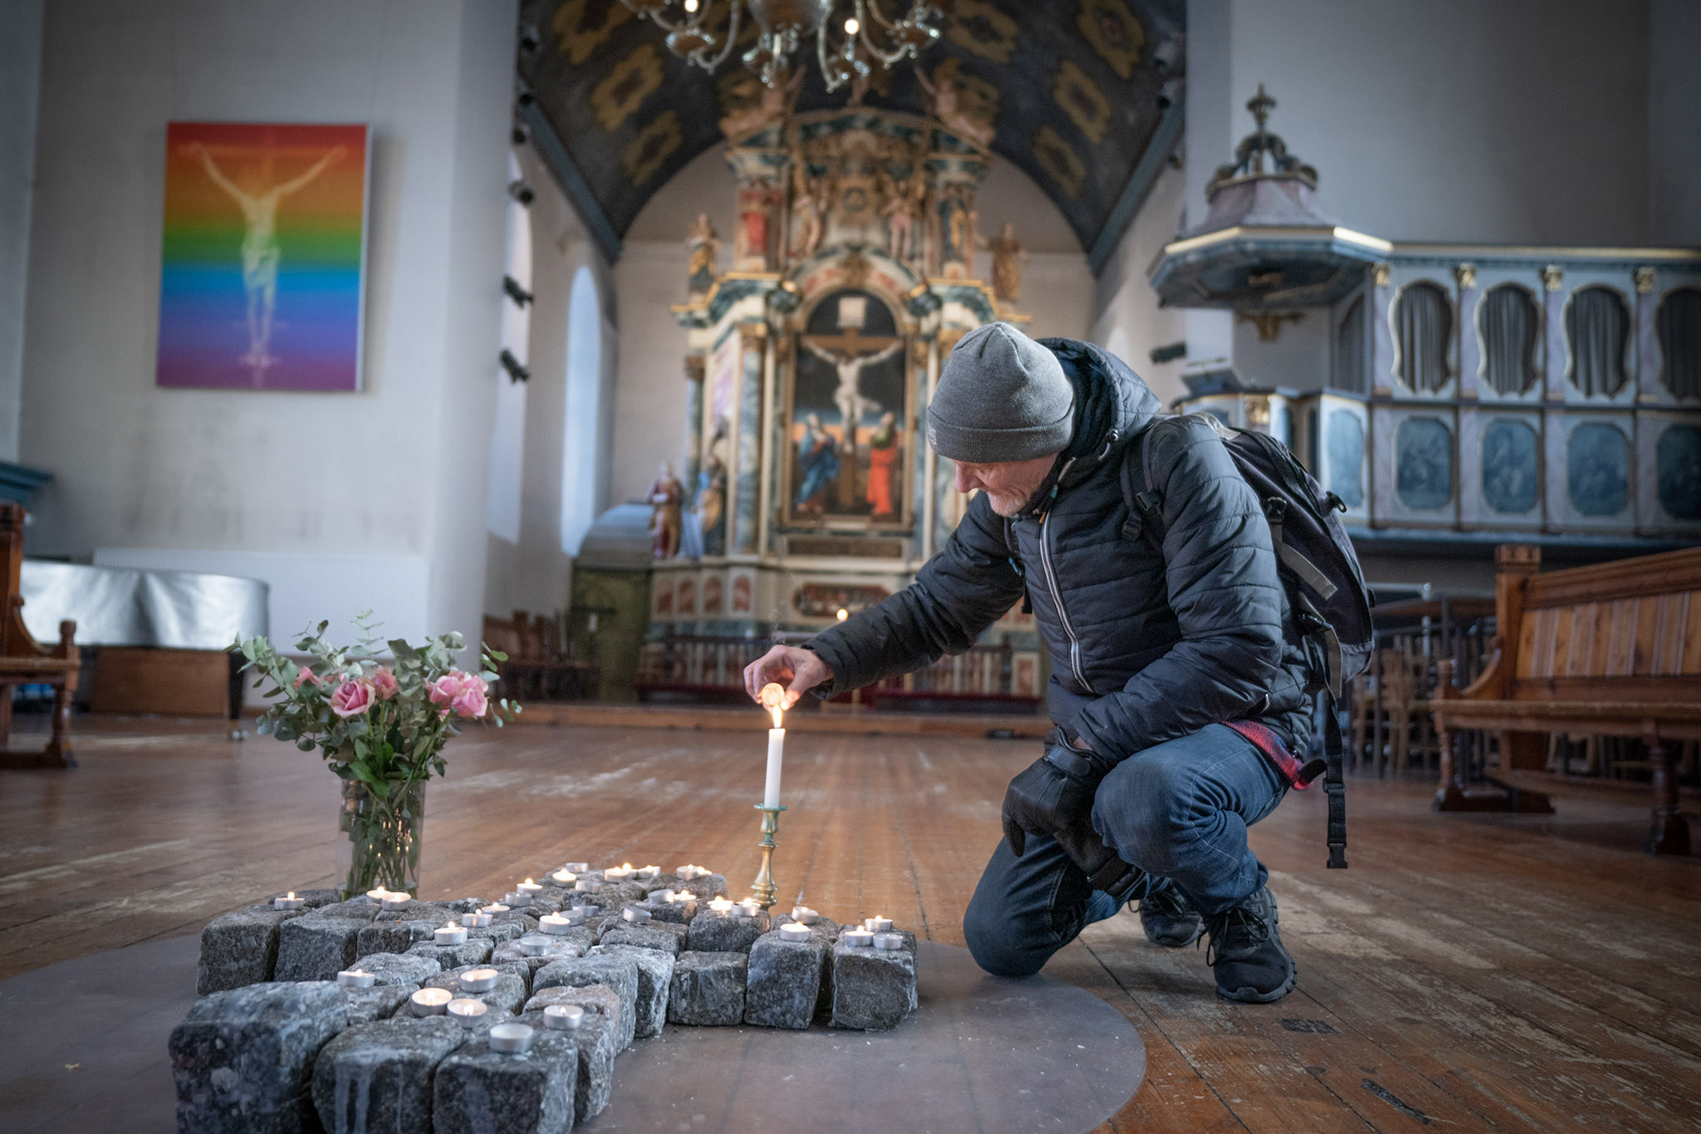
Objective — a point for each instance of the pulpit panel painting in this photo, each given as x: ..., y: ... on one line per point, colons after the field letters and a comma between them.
x: 847, y: 423
x: 264, y: 234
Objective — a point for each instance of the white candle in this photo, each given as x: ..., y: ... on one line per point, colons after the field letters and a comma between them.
x: 794, y: 931
x: 577, y: 867
x: 564, y: 1017
x: 587, y: 885
x: 465, y: 1010
x: 689, y: 872
x: 476, y: 920
x: 554, y: 923
x: 660, y: 897
x: 877, y: 924
x: 494, y: 908
x: 533, y: 945
x: 563, y: 878
x: 511, y: 1039
x: 396, y: 900
x: 377, y: 895
x: 586, y: 909
x: 518, y: 898
x: 748, y: 908
x: 649, y: 873
x: 575, y: 915
x: 889, y: 941
x: 680, y: 897
x: 635, y: 915
x: 617, y: 873
x: 805, y: 915
x: 430, y: 1001
x: 858, y: 938
x: 721, y: 905
x: 529, y: 887
x: 289, y: 902
x: 356, y: 978
x: 451, y: 934
x: 479, y: 980
x: 776, y: 753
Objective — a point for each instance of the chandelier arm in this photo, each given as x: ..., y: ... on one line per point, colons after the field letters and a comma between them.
x: 888, y: 58
x: 656, y: 18
x: 874, y: 7
x: 821, y: 58
x: 703, y: 61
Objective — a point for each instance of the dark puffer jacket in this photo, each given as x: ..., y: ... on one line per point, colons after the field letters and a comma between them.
x: 1146, y: 645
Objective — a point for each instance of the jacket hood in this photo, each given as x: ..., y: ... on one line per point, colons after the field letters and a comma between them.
x: 1112, y: 404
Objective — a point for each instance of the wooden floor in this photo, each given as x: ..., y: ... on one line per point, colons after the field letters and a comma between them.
x: 1516, y: 973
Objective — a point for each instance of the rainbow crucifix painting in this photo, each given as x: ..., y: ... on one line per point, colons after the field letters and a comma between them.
x: 260, y: 281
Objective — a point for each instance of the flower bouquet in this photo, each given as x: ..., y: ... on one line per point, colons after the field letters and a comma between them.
x: 381, y: 728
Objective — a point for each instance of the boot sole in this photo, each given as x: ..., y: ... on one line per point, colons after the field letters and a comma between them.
x: 1253, y: 996
x: 1176, y: 942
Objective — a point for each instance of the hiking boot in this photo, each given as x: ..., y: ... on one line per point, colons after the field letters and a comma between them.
x: 1246, y: 951
x: 1168, y: 919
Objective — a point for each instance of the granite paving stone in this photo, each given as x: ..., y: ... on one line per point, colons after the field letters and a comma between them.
x: 618, y: 973
x: 240, y: 948
x: 707, y: 989
x: 596, y: 1037
x: 505, y: 998
x: 480, y: 1091
x: 783, y: 984
x: 714, y: 932
x: 475, y: 951
x: 316, y: 947
x: 664, y: 937
x: 379, y: 1002
x: 394, y: 936
x: 377, y: 1077
x: 397, y: 968
x: 873, y: 989
x: 655, y: 978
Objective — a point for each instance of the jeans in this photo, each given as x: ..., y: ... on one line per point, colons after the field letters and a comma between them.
x: 1178, y: 811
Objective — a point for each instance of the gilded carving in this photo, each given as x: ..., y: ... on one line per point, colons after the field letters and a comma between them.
x: 1082, y: 101
x: 1466, y: 274
x: 579, y: 33
x: 981, y: 29
x: 955, y: 111
x: 1059, y: 159
x: 618, y: 96
x: 643, y: 157
x: 1114, y: 33
x: 1644, y: 280
x: 1553, y: 276
x: 1379, y: 273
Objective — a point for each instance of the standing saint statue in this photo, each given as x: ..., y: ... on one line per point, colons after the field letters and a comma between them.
x: 711, y: 505
x: 704, y: 246
x: 849, y: 396
x: 666, y: 497
x: 902, y: 210
x: 809, y: 208
x: 817, y: 465
x: 1007, y: 256
x: 883, y: 467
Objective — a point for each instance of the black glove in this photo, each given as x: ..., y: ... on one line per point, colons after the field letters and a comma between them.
x: 1045, y: 799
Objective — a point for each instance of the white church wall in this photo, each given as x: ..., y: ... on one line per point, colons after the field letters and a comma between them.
x: 20, y: 86
x: 1126, y: 318
x: 397, y: 471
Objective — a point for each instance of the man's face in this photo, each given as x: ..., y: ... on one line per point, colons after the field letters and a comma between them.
x: 1007, y: 484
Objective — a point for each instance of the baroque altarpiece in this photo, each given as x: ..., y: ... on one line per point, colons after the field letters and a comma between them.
x: 812, y: 492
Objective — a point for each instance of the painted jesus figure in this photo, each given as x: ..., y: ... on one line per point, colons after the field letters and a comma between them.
x: 852, y: 403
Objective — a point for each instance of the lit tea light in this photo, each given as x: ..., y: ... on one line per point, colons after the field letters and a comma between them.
x: 635, y: 915
x: 587, y: 885
x: 564, y: 878
x: 479, y: 980
x: 396, y: 900
x: 557, y: 923
x: 494, y: 908
x: 648, y: 873
x: 288, y: 902
x: 841, y: 614
x: 378, y: 895
x: 690, y: 873
x: 479, y: 920
x: 889, y: 941
x: 563, y: 1017
x: 721, y: 905
x: 858, y: 938
x: 804, y: 915
x: 577, y: 867
x: 660, y: 897
x: 466, y: 1010
x: 430, y: 1001
x: 529, y: 887
x: 877, y: 924
x: 680, y: 897
x: 749, y: 908
x: 356, y: 978
x: 794, y: 931
x: 617, y: 873
x: 510, y: 1039
x: 450, y: 934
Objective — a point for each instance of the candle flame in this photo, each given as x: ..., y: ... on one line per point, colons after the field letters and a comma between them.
x: 773, y: 698
x: 843, y: 614
x: 290, y: 896
x: 529, y: 882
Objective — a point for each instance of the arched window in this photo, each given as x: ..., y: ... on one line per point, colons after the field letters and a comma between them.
x: 1423, y: 330
x: 580, y: 457
x: 1596, y: 325
x: 1508, y: 322
x: 508, y: 434
x: 1678, y: 323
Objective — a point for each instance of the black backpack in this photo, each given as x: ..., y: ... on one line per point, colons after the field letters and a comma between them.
x: 1319, y: 569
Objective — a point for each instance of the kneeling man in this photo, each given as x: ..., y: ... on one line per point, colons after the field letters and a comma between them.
x: 1174, y: 691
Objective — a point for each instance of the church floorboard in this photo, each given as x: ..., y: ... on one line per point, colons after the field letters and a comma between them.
x: 1478, y: 972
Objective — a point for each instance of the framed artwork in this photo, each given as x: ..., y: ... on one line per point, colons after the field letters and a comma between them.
x: 848, y: 435
x: 262, y: 254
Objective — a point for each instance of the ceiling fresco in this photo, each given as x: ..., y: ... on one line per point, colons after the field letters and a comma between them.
x: 1071, y: 87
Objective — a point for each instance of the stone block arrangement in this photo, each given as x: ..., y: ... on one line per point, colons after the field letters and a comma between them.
x: 340, y: 1015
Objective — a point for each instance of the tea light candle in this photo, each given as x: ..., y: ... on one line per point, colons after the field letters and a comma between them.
x: 563, y: 1017
x: 577, y: 867
x: 534, y: 945
x: 518, y: 898
x: 451, y: 934
x: 680, y: 897
x: 586, y: 909
x: 794, y: 931
x: 721, y: 905
x: 617, y: 873
x: 858, y: 938
x: 467, y: 1011
x: 877, y: 924
x: 494, y: 908
x: 749, y: 908
x: 479, y: 980
x: 288, y: 902
x: 511, y: 1039
x: 575, y: 915
x: 356, y: 978
x: 889, y: 941
x: 430, y: 1001
x: 564, y: 878
x: 635, y: 915
x: 396, y: 900
x: 529, y: 887
x: 648, y: 873
x: 377, y: 895
x: 804, y: 915
x: 587, y: 885
x: 476, y: 920
x: 689, y: 873
x: 556, y: 923
x: 660, y: 897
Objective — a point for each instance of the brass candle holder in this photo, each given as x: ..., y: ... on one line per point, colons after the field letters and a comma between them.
x: 762, y: 889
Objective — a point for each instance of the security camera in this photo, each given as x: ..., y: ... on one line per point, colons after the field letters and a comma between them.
x: 520, y: 134
x: 521, y: 192
x: 1170, y: 93
x: 530, y: 41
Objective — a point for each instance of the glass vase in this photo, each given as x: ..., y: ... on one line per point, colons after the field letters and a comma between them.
x: 378, y: 839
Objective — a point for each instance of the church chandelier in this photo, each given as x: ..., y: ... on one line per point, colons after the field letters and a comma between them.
x: 850, y: 39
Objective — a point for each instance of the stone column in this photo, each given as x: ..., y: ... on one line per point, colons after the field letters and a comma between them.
x: 1647, y: 338
x: 1470, y: 351
x: 1553, y: 340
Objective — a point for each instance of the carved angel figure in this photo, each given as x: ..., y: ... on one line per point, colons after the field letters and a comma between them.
x: 902, y: 210
x: 945, y: 103
x: 772, y: 104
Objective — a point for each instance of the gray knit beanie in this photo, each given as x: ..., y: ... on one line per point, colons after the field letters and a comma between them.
x: 1002, y: 397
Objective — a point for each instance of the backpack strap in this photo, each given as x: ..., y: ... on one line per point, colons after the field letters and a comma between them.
x: 1334, y: 784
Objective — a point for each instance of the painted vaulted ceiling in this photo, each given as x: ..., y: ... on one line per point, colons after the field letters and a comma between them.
x: 1071, y: 87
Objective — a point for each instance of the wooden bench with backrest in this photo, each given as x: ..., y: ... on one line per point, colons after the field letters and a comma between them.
x: 1613, y: 649
x: 25, y: 662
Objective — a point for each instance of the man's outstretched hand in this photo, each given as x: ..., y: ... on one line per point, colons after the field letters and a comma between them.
x: 798, y: 670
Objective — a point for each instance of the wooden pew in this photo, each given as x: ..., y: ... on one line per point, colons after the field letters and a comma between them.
x: 1613, y: 650
x: 24, y: 662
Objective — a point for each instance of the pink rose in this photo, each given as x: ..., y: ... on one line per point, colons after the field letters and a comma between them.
x: 471, y: 703
x: 305, y: 676
x: 384, y: 683
x: 445, y: 689
x: 352, y: 698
